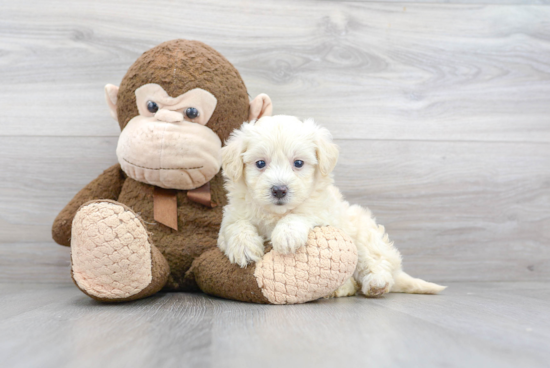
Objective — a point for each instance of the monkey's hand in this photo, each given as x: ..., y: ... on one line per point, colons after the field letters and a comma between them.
x: 106, y: 186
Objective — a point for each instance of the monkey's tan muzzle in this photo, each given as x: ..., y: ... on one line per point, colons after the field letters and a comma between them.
x: 179, y: 155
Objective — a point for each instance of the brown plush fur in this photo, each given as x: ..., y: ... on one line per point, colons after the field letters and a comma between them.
x: 237, y: 283
x: 177, y: 66
x: 106, y: 186
x: 198, y: 227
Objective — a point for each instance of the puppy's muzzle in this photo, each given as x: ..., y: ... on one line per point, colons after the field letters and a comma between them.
x: 279, y: 191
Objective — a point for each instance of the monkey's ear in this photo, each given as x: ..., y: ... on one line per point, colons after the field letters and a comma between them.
x: 111, y: 93
x: 260, y: 106
x: 232, y: 156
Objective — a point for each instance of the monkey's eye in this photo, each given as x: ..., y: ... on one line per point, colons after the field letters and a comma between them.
x: 298, y: 163
x: 152, y: 106
x: 192, y: 113
x: 260, y: 164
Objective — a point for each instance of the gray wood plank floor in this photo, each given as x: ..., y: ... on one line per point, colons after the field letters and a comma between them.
x: 469, y: 325
x: 442, y: 112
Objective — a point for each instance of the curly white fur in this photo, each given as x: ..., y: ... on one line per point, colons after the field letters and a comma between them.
x: 255, y: 215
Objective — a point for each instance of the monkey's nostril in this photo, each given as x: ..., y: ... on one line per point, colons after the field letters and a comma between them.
x: 279, y: 191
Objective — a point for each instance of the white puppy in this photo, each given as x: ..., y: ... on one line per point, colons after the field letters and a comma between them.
x: 280, y: 186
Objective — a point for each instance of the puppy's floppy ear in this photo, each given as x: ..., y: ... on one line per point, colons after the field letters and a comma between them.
x: 327, y: 150
x: 232, y: 160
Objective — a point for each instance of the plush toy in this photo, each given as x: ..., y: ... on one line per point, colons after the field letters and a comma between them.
x: 151, y: 222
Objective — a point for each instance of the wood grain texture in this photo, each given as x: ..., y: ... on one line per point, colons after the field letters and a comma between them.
x: 34, y: 263
x: 492, y: 2
x: 456, y: 210
x: 40, y: 175
x: 469, y: 325
x: 442, y: 112
x: 469, y: 211
x: 365, y: 70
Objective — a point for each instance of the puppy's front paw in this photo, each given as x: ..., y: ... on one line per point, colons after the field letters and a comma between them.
x: 289, y: 237
x: 376, y: 284
x: 244, y: 249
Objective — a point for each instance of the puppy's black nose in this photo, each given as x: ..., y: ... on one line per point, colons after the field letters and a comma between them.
x: 279, y: 191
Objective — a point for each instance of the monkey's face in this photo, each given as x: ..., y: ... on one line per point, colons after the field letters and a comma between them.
x: 175, y: 106
x: 169, y: 144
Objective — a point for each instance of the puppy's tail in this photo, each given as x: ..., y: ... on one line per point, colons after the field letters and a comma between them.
x: 404, y: 283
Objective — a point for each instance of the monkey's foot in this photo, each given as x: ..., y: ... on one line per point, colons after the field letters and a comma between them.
x: 112, y: 257
x: 314, y: 271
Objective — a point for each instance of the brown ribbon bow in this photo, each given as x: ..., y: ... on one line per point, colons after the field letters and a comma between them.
x: 165, y: 203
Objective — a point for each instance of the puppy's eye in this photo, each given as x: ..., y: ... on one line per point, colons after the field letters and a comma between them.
x: 298, y: 163
x: 152, y: 106
x: 260, y: 164
x: 192, y: 113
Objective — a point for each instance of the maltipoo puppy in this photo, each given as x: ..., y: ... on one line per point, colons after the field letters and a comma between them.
x: 279, y: 180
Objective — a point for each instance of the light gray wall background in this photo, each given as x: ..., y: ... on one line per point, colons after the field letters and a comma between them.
x: 441, y: 110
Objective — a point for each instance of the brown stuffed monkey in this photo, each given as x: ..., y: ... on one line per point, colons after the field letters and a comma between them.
x: 151, y: 222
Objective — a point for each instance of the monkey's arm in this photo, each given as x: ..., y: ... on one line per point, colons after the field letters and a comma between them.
x: 106, y: 186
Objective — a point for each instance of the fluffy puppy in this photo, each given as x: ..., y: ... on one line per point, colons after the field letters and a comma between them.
x: 279, y: 180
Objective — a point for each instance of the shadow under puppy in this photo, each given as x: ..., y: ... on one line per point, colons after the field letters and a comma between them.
x: 278, y: 173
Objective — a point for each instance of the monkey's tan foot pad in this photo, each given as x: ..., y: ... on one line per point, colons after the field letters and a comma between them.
x: 314, y: 271
x: 112, y: 257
